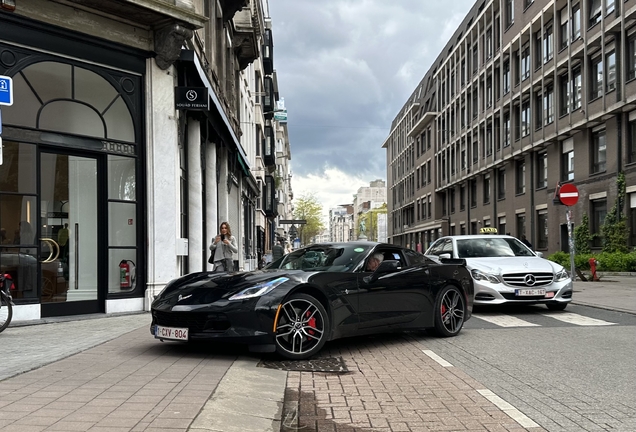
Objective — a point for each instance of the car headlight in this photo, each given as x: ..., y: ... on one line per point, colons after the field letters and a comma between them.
x: 562, y: 275
x: 481, y: 276
x: 259, y: 290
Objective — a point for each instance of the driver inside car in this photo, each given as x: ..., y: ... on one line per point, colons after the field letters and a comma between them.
x: 374, y: 261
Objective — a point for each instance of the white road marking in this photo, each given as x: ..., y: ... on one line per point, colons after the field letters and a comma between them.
x: 505, y: 321
x: 437, y: 358
x: 513, y: 412
x: 577, y: 319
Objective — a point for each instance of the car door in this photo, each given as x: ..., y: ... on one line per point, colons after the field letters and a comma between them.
x: 395, y: 299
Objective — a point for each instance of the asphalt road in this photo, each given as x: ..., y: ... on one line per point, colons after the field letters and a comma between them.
x: 565, y: 376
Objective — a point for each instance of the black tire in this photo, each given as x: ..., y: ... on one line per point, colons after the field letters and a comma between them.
x: 6, y: 312
x: 556, y: 306
x: 450, y: 310
x: 302, y: 327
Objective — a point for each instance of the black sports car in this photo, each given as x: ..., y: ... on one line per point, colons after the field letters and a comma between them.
x: 316, y: 294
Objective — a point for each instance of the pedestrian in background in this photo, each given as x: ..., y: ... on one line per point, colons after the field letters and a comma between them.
x: 278, y: 251
x: 525, y: 241
x: 223, y: 248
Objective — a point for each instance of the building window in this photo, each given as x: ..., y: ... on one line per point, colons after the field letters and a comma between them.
x: 567, y: 170
x: 452, y: 201
x: 548, y: 104
x: 510, y: 12
x: 527, y: 3
x: 596, y: 78
x: 521, y: 224
x: 525, y: 119
x: 525, y: 63
x: 599, y: 210
x: 631, y: 58
x: 576, y: 89
x: 520, y: 177
x: 473, y: 228
x: 548, y: 44
x: 542, y: 229
x: 595, y: 12
x: 487, y: 189
x: 501, y: 184
x: 564, y: 95
x: 631, y: 143
x: 473, y: 193
x: 462, y: 198
x: 506, y: 76
x: 475, y: 152
x: 576, y: 22
x: 598, y: 151
x: 610, y: 72
x: 506, y: 130
x: 564, y: 35
x: 542, y: 170
x: 501, y: 225
x: 609, y: 6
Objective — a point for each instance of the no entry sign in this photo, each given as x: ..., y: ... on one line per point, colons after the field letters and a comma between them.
x: 568, y: 194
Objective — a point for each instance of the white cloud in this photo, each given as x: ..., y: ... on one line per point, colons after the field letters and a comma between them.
x: 332, y: 187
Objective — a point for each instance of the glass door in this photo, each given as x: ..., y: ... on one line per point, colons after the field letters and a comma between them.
x: 69, y: 234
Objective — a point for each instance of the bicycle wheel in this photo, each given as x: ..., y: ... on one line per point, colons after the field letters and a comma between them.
x: 6, y: 312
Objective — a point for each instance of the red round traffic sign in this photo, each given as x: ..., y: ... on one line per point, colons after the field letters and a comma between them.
x: 568, y: 194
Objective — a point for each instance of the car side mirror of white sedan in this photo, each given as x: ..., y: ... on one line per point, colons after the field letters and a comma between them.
x: 539, y: 254
x: 445, y: 256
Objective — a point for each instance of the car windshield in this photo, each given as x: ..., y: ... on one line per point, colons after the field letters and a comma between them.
x: 491, y: 247
x: 332, y: 258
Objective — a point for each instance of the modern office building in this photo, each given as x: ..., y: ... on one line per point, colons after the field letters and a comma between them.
x: 526, y: 96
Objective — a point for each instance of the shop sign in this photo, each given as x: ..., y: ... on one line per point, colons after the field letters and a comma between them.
x: 191, y: 98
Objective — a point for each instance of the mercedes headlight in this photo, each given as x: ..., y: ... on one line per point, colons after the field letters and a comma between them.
x: 479, y: 275
x: 562, y: 275
x: 259, y: 290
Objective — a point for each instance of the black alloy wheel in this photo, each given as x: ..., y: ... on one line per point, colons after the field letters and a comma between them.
x: 450, y: 309
x: 302, y: 327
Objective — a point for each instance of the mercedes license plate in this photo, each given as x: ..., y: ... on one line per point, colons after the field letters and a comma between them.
x: 530, y: 292
x: 172, y: 333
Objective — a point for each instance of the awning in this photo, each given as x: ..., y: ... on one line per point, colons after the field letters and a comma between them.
x: 216, y: 109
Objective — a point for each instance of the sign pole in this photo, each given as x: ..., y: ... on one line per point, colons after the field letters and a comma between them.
x: 570, y: 242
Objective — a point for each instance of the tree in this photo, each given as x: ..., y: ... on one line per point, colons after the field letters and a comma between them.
x: 582, y: 236
x: 614, y: 229
x: 308, y: 208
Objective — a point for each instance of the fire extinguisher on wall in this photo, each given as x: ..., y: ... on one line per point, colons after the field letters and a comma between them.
x: 126, y: 274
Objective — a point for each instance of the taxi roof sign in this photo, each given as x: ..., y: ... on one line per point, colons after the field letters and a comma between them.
x: 488, y: 230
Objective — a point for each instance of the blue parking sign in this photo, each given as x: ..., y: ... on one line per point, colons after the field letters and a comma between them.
x: 6, y: 90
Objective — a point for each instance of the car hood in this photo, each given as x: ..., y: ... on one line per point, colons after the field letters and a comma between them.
x: 503, y: 265
x: 204, y: 288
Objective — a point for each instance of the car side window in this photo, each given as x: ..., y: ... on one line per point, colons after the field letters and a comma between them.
x: 415, y: 258
x: 436, y: 248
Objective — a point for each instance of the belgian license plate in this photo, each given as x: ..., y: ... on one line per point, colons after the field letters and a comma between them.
x: 172, y: 333
x: 530, y: 292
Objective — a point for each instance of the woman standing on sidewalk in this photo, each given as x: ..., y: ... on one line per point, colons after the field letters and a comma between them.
x: 223, y: 248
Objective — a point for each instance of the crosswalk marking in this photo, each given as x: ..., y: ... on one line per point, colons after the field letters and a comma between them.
x: 577, y: 319
x: 505, y: 320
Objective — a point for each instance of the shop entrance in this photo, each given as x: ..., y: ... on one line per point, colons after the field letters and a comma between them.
x: 69, y: 234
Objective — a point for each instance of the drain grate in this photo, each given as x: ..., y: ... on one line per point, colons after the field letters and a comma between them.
x: 328, y: 364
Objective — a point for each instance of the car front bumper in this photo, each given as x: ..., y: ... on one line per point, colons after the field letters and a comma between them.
x: 487, y: 293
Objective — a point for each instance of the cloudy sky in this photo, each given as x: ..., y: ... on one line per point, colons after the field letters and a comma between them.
x: 345, y: 68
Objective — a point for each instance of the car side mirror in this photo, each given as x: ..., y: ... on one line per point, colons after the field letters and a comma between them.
x: 445, y: 255
x: 539, y: 254
x: 385, y: 267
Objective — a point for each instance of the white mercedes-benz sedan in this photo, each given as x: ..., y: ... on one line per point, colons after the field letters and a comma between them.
x: 505, y: 270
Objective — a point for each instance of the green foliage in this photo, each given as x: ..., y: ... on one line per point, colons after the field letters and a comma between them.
x: 582, y: 236
x: 614, y: 230
x: 607, y: 261
x: 307, y: 207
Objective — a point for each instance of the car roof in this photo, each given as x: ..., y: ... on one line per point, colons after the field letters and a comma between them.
x: 478, y: 236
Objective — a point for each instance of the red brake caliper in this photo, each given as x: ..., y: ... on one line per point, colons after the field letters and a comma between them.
x: 311, y: 323
x: 443, y: 310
